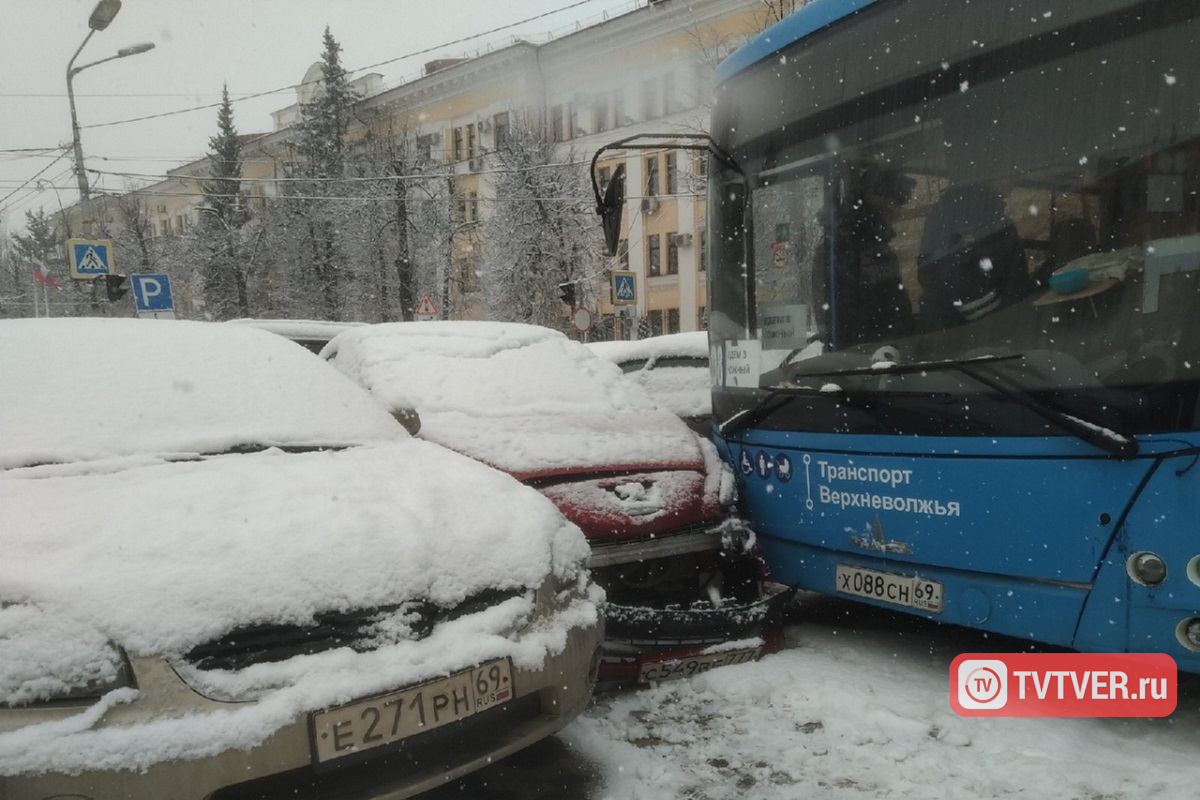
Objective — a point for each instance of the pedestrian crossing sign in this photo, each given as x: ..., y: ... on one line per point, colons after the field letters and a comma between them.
x: 624, y: 288
x: 90, y: 258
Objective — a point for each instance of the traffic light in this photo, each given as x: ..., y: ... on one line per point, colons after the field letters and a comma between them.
x: 566, y: 292
x: 114, y: 286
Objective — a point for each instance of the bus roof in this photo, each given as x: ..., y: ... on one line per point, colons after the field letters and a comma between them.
x: 809, y: 19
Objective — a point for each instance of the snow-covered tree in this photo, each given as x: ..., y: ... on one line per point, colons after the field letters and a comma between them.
x: 316, y: 206
x: 541, y: 231
x: 223, y: 215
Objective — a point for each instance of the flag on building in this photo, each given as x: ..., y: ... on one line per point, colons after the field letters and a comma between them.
x: 43, y: 275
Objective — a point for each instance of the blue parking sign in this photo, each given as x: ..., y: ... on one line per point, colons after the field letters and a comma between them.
x: 152, y: 293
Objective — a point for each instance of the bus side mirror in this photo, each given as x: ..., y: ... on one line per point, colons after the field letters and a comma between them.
x: 610, y: 209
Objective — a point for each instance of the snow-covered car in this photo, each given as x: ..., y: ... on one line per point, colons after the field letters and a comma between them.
x: 672, y: 368
x: 226, y: 571
x: 681, y: 572
x: 313, y: 334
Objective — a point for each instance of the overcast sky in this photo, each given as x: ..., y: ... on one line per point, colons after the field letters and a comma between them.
x: 256, y: 46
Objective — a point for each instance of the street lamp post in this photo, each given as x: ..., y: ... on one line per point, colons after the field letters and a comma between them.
x: 102, y: 15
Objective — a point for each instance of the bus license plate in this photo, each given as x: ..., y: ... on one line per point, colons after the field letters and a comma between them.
x: 687, y: 667
x: 389, y: 718
x: 900, y: 590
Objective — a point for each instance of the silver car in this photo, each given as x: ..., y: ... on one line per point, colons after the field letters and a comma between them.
x: 227, y: 572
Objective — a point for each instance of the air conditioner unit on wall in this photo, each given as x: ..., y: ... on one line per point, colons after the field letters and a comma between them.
x: 681, y: 239
x: 649, y: 205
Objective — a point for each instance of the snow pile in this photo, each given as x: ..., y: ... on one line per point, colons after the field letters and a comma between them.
x: 843, y: 715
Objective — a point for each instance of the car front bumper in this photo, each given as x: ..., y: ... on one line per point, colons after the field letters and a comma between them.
x: 544, y: 701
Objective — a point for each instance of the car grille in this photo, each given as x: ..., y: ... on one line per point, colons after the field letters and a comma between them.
x: 362, y: 630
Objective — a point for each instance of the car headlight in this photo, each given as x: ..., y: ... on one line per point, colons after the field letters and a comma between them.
x: 46, y: 657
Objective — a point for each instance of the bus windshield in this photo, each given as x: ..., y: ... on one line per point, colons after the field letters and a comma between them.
x: 904, y: 192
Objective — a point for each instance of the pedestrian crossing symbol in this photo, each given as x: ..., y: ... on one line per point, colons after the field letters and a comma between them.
x: 624, y: 288
x: 90, y: 258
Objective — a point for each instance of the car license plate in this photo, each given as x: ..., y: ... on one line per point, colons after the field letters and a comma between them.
x: 378, y: 721
x: 687, y: 667
x: 900, y: 590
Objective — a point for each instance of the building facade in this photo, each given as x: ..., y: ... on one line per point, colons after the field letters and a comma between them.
x: 650, y: 70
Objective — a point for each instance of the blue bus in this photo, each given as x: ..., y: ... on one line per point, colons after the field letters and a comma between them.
x: 954, y: 311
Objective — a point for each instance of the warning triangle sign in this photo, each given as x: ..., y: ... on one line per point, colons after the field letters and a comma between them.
x: 426, y: 308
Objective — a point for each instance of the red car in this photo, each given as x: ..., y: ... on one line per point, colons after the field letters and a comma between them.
x: 681, y: 571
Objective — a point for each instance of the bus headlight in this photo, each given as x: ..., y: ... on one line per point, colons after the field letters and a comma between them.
x: 1146, y: 568
x: 1188, y: 634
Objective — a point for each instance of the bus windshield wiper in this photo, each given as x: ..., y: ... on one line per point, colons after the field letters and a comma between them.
x: 1087, y: 431
x: 762, y: 409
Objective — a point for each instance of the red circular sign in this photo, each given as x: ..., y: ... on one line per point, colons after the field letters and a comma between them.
x: 582, y: 320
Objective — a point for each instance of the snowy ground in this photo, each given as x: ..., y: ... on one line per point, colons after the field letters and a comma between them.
x: 857, y: 707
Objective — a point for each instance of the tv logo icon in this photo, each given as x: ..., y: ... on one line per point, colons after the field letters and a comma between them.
x: 982, y: 683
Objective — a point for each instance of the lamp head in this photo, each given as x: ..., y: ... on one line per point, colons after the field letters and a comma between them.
x: 103, y: 14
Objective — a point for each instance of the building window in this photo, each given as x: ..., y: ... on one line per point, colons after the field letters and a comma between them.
x: 556, y: 123
x: 623, y: 254
x: 618, y: 99
x: 472, y: 207
x: 653, y: 254
x: 471, y: 141
x: 600, y: 113
x: 652, y: 176
x: 672, y: 254
x: 605, y: 177
x: 425, y: 147
x: 670, y: 100
x: 468, y: 271
x: 650, y: 98
x: 702, y: 318
x: 660, y: 321
x: 573, y: 128
x: 703, y: 248
x: 500, y: 129
x: 458, y: 144
x: 672, y: 173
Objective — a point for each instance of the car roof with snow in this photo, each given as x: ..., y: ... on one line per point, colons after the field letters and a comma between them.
x: 521, y: 397
x: 673, y: 369
x: 690, y: 344
x: 311, y: 333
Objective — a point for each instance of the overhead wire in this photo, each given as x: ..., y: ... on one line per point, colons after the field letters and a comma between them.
x: 31, y: 180
x: 385, y: 62
x: 256, y: 95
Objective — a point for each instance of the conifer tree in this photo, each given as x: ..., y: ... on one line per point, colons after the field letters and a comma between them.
x: 321, y: 148
x: 222, y: 216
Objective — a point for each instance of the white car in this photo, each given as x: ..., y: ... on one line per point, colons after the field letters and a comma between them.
x: 226, y: 572
x: 672, y: 368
